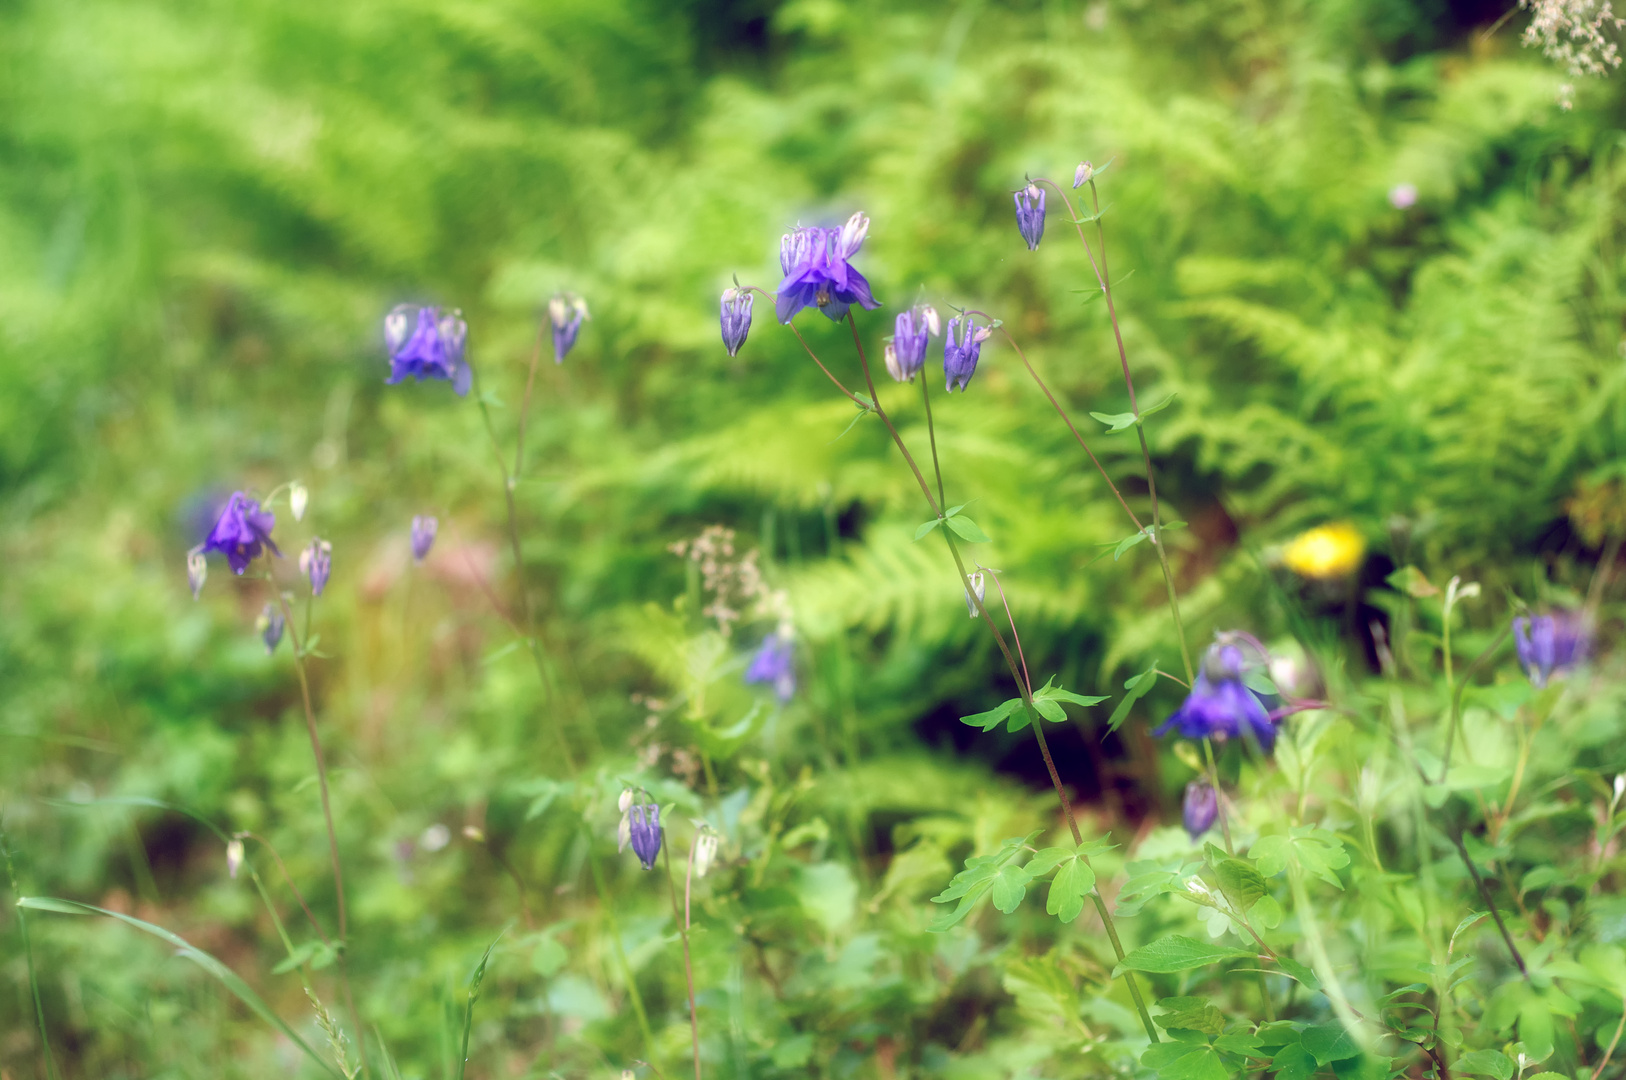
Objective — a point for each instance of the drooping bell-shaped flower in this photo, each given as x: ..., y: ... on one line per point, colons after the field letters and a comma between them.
x: 1201, y: 807
x: 1082, y: 174
x: 705, y: 852
x: 197, y: 570
x: 978, y: 586
x: 961, y: 351
x: 566, y: 312
x: 240, y: 532
x: 911, y: 333
x: 1220, y: 705
x: 774, y: 663
x: 271, y: 626
x: 644, y: 828
x: 1550, y: 644
x: 431, y: 349
x: 736, y: 317
x: 316, y: 563
x: 424, y: 528
x: 1030, y: 214
x: 818, y: 271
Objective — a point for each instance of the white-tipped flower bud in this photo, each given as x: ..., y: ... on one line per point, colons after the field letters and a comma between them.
x: 197, y: 571
x: 978, y: 586
x: 298, y: 498
x: 933, y: 322
x: 705, y: 853
x: 1082, y: 174
x: 234, y: 857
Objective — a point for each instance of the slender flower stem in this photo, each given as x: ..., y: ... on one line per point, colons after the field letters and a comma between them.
x: 28, y: 958
x: 1607, y: 1054
x: 1484, y: 892
x: 1034, y: 720
x: 291, y: 886
x: 621, y: 953
x: 1213, y: 780
x: 1456, y: 695
x: 931, y: 432
x: 327, y: 816
x: 688, y: 964
x: 1027, y: 679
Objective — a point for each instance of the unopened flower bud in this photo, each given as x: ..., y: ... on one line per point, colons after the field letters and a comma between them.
x: 298, y: 497
x: 234, y: 857
x: 736, y: 318
x: 625, y: 802
x: 270, y: 625
x: 566, y: 312
x: 645, y: 828
x: 1082, y: 174
x: 1030, y: 214
x: 1201, y: 808
x: 705, y: 853
x: 475, y: 833
x: 911, y: 335
x: 197, y: 571
x: 978, y: 586
x: 424, y: 528
x: 316, y: 563
x: 934, y: 324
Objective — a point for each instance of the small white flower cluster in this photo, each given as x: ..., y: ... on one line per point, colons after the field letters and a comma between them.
x: 1575, y: 33
x: 730, y: 584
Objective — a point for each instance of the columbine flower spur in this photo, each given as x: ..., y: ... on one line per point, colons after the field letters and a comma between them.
x: 1030, y: 214
x: 815, y: 262
x: 1220, y: 706
x: 240, y: 533
x: 736, y: 318
x: 432, y: 350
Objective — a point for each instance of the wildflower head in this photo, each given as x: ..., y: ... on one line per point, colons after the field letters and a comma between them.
x: 566, y: 312
x: 906, y: 354
x: 197, y: 570
x: 774, y: 663
x: 1082, y: 174
x: 270, y: 625
x: 978, y: 586
x: 240, y: 532
x: 1220, y: 705
x: 316, y: 562
x: 818, y: 271
x: 736, y: 318
x: 1326, y: 551
x: 705, y: 852
x: 1201, y: 807
x: 644, y: 832
x: 1030, y: 214
x: 1403, y: 196
x: 961, y: 350
x: 427, y: 344
x: 424, y: 528
x: 1551, y: 644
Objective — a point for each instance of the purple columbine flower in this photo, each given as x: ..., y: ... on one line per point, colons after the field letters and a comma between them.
x: 818, y: 273
x: 316, y: 563
x: 433, y: 349
x: 240, y: 532
x: 1082, y: 174
x: 1550, y: 643
x: 961, y: 350
x: 566, y: 312
x: 736, y: 318
x: 271, y: 626
x: 906, y: 354
x: 1201, y: 808
x: 1220, y: 706
x: 774, y: 663
x: 644, y: 829
x: 1030, y: 214
x: 424, y: 529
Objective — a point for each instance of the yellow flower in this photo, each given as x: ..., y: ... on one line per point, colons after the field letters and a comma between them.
x: 1327, y: 551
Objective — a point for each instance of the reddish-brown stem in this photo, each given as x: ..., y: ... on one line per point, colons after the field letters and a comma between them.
x: 1027, y: 679
x: 287, y: 877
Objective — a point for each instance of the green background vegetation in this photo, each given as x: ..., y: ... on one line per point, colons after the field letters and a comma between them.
x: 205, y: 210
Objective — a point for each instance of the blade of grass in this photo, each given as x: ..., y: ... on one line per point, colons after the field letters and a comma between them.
x: 475, y: 980
x: 228, y: 978
x: 28, y: 956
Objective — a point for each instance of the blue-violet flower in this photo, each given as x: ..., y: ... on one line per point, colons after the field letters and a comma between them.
x: 271, y: 626
x: 1220, y: 705
x: 960, y: 351
x: 1201, y: 807
x: 1082, y: 174
x: 815, y: 262
x: 912, y: 331
x: 736, y: 318
x: 644, y: 828
x: 432, y: 350
x: 1030, y: 214
x: 566, y: 312
x: 1550, y: 643
x: 424, y: 529
x: 316, y: 563
x: 240, y: 532
x: 774, y: 663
